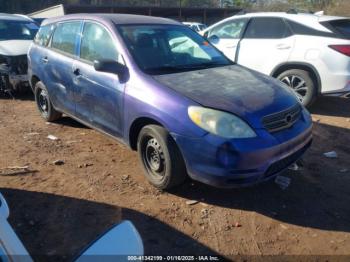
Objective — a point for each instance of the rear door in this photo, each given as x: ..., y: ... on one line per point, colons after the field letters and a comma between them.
x: 267, y: 42
x: 99, y: 95
x: 59, y: 60
x: 226, y: 36
x: 37, y: 53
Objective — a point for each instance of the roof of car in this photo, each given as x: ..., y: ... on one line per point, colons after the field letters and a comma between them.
x: 307, y: 19
x: 296, y: 15
x: 14, y: 17
x: 115, y: 18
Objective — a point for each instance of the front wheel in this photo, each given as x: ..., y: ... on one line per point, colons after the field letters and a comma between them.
x: 302, y: 84
x: 161, y: 158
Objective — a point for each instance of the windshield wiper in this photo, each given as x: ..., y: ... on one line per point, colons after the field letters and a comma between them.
x: 204, y: 65
x: 182, y: 68
x: 164, y: 69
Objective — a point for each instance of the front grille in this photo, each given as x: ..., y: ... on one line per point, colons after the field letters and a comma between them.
x: 286, y: 162
x: 18, y: 64
x: 282, y: 120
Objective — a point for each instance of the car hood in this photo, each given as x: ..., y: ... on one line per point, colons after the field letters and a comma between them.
x: 236, y: 89
x: 14, y: 47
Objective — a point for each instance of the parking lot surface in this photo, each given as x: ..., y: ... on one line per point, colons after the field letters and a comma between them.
x: 63, y: 193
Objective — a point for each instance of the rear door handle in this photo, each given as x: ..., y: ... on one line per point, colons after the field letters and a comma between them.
x: 76, y: 71
x: 45, y: 60
x: 283, y: 46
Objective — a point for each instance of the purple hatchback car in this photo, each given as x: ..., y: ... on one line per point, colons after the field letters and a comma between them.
x: 157, y: 86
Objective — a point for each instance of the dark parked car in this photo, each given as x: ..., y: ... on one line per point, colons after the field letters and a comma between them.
x: 159, y: 87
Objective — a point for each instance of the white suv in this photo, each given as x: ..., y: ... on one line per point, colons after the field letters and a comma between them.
x: 308, y: 52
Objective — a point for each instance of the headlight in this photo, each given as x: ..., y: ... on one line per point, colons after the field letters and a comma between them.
x: 220, y: 123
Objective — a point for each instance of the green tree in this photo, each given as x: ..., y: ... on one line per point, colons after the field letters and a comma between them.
x: 311, y: 5
x: 237, y: 3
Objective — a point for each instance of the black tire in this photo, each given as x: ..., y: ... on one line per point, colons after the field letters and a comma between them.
x: 42, y: 99
x: 155, y: 143
x: 294, y: 78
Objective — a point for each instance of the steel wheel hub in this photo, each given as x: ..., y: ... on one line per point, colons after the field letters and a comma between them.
x: 154, y: 156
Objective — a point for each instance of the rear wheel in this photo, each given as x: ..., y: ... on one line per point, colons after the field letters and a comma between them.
x: 162, y: 160
x: 42, y: 99
x: 302, y: 83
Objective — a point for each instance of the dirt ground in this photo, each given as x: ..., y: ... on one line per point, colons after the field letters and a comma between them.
x: 57, y: 209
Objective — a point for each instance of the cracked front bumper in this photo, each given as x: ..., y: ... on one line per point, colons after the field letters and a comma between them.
x: 242, y: 162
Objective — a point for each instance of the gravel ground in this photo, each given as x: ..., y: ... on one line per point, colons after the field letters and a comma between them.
x: 59, y: 207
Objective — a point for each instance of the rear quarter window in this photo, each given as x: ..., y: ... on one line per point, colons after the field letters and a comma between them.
x: 43, y: 36
x: 341, y: 27
x: 65, y: 37
x: 300, y: 29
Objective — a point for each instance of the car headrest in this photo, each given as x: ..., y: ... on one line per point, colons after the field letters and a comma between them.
x: 144, y: 41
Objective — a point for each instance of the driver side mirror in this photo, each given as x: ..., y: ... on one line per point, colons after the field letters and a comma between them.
x: 113, y: 67
x: 214, y: 39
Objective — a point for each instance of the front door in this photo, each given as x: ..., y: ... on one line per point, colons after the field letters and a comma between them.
x: 226, y: 36
x: 99, y: 95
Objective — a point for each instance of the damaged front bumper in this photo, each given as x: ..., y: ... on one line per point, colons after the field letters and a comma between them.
x: 13, y: 73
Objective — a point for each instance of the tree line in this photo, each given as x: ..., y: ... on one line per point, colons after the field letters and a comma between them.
x: 333, y: 6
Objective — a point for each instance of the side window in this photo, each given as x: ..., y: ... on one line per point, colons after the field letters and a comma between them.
x: 229, y: 30
x: 43, y: 36
x: 267, y: 28
x: 65, y: 36
x: 97, y: 44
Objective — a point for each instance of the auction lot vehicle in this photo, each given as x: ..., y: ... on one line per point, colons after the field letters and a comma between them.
x: 195, y: 26
x: 121, y: 240
x: 165, y: 91
x: 16, y: 35
x: 310, y: 53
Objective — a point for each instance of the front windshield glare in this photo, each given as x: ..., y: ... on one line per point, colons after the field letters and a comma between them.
x: 17, y: 30
x: 164, y: 49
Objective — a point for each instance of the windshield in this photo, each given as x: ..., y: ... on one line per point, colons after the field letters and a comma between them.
x: 162, y: 49
x: 17, y: 30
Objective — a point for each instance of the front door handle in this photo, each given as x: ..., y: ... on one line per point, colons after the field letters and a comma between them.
x: 45, y: 60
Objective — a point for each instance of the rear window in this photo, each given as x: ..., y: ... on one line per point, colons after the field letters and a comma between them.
x: 341, y: 27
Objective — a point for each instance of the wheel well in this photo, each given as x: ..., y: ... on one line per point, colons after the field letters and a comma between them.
x: 33, y: 81
x: 314, y: 75
x: 136, y: 127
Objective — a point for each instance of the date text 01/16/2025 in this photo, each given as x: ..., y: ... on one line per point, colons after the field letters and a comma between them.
x: 173, y: 258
